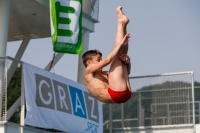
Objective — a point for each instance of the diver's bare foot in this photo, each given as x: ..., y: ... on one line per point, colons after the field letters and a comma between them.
x: 121, y: 16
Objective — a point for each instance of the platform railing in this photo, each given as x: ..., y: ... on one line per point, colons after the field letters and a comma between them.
x: 12, y: 79
x: 163, y: 99
x: 143, y: 109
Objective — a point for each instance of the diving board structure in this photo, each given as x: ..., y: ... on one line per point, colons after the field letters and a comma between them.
x: 30, y: 19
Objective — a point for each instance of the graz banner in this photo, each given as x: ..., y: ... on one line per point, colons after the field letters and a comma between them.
x: 54, y: 102
x: 66, y: 26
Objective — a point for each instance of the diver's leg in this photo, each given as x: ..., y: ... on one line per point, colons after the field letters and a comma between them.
x: 118, y: 76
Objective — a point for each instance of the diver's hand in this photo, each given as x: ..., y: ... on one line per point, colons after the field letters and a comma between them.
x: 126, y: 39
x: 124, y: 58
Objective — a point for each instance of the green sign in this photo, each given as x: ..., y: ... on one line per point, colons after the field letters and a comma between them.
x: 66, y: 26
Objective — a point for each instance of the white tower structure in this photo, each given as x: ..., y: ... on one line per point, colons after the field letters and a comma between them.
x: 30, y: 19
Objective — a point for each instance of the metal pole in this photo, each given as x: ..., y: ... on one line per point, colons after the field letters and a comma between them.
x: 22, y: 114
x: 155, y: 122
x: 5, y: 93
x: 81, y: 67
x: 110, y: 119
x: 122, y: 115
x: 188, y: 107
x: 142, y: 116
x: 199, y: 110
x: 152, y: 115
x: 4, y: 22
x: 193, y: 108
x: 139, y: 111
x: 168, y: 115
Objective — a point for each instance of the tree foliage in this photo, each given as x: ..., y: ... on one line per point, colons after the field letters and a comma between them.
x: 13, y: 93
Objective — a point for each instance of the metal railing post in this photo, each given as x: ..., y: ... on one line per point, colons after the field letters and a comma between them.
x: 122, y: 115
x: 193, y: 108
x: 5, y: 94
x: 110, y: 119
x: 139, y: 111
x: 199, y: 110
x: 22, y: 113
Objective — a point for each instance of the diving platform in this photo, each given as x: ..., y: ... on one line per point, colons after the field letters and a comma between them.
x: 23, y: 20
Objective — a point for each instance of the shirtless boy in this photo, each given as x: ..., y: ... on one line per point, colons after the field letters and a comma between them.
x: 110, y: 86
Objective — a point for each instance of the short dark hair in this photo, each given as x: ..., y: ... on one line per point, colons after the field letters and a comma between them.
x: 89, y: 54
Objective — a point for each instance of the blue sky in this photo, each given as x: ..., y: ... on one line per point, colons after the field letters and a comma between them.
x: 165, y: 38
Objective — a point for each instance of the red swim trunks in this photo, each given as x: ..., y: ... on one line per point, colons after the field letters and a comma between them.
x: 119, y: 96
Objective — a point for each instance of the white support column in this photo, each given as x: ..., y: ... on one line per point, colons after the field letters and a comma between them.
x: 22, y: 48
x: 18, y: 56
x: 81, y: 67
x: 4, y: 21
